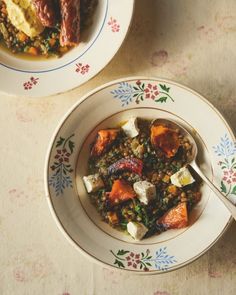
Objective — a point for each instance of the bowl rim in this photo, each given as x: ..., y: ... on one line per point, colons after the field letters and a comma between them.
x: 54, y: 136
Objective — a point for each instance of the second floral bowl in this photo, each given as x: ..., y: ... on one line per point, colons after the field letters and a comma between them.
x: 43, y: 77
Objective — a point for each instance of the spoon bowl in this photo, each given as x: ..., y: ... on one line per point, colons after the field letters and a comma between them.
x: 192, y: 161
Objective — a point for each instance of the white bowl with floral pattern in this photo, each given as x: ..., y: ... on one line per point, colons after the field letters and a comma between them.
x: 66, y: 164
x: 43, y: 77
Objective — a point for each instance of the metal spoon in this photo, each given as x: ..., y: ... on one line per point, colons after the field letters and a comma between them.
x: 192, y: 162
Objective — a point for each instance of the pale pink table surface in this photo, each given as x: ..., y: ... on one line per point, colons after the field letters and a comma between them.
x: 191, y: 42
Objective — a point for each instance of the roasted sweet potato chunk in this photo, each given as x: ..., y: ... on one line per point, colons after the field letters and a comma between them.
x: 104, y: 140
x: 166, y: 139
x: 121, y: 191
x: 176, y: 217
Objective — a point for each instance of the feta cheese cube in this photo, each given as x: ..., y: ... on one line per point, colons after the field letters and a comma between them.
x: 145, y: 191
x: 136, y: 230
x: 182, y: 177
x: 93, y: 182
x: 131, y: 127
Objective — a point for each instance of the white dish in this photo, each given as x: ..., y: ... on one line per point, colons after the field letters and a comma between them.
x: 36, y: 78
x: 67, y: 163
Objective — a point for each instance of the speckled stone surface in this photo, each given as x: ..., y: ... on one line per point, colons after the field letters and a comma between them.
x: 191, y: 42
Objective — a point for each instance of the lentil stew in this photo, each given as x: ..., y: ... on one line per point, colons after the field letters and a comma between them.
x: 55, y: 39
x: 138, y: 179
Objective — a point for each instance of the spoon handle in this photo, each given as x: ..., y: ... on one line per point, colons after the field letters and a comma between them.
x: 231, y: 207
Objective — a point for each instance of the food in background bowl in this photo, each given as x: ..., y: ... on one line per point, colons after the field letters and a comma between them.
x: 43, y: 27
x: 138, y: 179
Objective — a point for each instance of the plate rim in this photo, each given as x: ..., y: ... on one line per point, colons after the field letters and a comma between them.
x: 52, y: 141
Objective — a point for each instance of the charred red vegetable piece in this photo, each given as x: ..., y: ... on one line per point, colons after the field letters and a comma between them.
x: 70, y: 22
x: 104, y: 140
x: 131, y: 164
x: 46, y: 12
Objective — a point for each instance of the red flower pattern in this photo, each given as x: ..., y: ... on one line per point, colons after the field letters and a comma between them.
x: 115, y: 27
x: 62, y: 156
x: 151, y: 91
x: 133, y: 260
x: 29, y: 84
x: 229, y: 176
x: 82, y: 69
x: 143, y: 261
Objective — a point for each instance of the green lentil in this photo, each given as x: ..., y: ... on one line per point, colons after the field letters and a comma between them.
x: 156, y: 166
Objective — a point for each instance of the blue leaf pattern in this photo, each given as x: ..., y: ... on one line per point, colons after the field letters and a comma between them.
x: 59, y: 181
x: 124, y: 93
x: 163, y: 260
x: 225, y: 148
